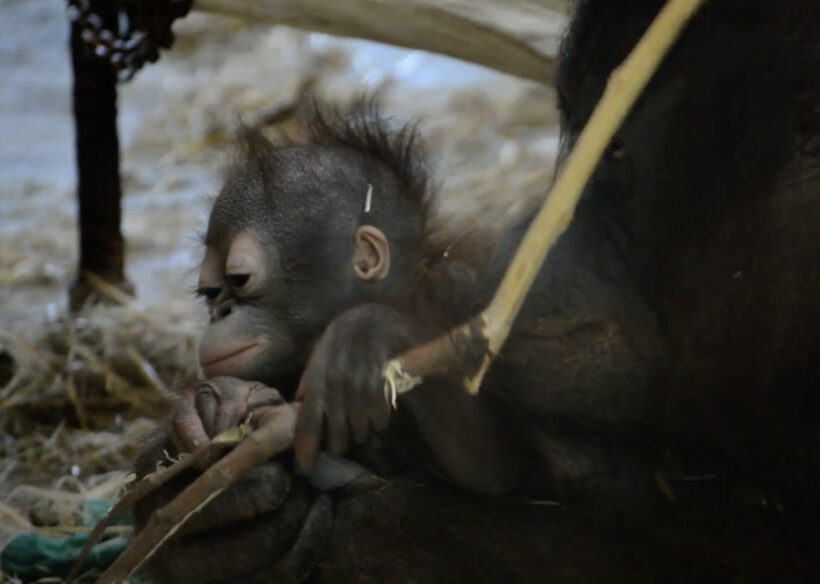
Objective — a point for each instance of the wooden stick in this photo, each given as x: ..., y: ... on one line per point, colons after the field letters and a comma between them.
x: 145, y: 487
x: 491, y: 328
x: 519, y: 37
x: 274, y: 435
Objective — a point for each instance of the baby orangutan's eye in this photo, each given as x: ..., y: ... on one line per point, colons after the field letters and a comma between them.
x: 209, y: 292
x: 237, y: 280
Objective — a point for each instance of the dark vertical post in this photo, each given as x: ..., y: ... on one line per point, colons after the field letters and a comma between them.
x: 98, y: 178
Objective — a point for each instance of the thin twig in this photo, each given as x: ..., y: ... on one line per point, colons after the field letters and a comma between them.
x: 145, y: 487
x: 274, y: 435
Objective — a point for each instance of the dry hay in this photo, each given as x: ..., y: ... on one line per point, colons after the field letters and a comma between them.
x: 76, y: 398
x: 106, y: 361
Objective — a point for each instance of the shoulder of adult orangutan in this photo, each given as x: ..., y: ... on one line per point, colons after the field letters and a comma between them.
x: 448, y: 294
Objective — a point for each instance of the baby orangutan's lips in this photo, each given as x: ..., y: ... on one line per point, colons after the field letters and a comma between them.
x: 229, y: 362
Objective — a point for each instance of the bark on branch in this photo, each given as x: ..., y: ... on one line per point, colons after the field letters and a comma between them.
x: 274, y: 435
x: 519, y: 37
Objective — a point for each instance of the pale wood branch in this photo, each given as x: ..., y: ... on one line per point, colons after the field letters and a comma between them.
x: 142, y: 489
x: 625, y: 85
x: 519, y: 37
x: 273, y: 436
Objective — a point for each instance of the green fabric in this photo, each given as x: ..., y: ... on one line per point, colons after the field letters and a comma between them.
x: 31, y: 556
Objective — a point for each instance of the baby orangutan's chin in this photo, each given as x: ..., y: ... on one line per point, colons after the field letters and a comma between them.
x: 231, y: 360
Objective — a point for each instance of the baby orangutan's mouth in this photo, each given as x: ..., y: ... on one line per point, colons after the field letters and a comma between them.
x: 229, y: 362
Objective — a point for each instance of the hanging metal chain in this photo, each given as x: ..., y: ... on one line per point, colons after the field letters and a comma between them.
x: 140, y: 30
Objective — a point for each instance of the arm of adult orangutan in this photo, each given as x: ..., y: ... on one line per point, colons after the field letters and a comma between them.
x: 411, y: 533
x: 271, y: 526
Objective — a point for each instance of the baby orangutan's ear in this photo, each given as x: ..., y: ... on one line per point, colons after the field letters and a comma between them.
x: 371, y: 258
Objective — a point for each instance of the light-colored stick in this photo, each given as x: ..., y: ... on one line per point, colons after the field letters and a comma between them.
x: 493, y: 325
x: 519, y: 37
x: 274, y: 435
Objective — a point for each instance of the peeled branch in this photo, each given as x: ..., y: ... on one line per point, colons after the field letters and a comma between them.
x: 273, y: 436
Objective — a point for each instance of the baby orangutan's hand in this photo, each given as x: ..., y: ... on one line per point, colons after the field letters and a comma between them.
x: 215, y: 405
